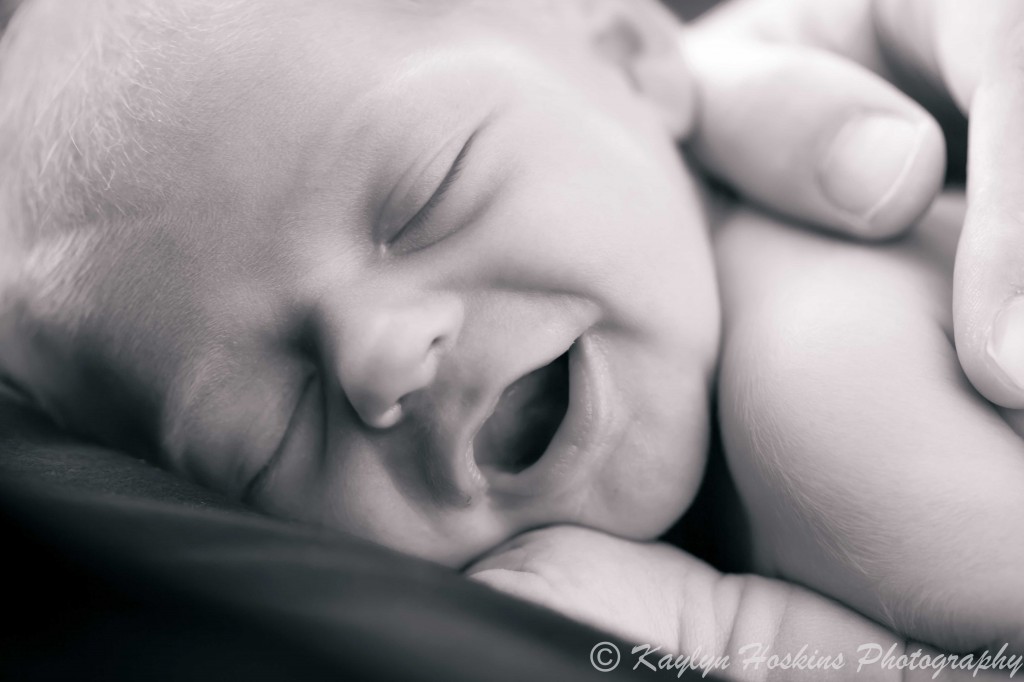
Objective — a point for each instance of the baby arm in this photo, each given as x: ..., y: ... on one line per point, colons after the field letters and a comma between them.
x: 657, y: 595
x: 873, y: 473
x: 871, y: 469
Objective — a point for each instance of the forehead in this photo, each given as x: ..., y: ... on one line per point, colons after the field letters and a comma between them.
x: 340, y: 46
x: 335, y: 99
x: 361, y: 76
x: 321, y: 97
x: 315, y: 98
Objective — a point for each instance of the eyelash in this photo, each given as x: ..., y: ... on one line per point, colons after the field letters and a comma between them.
x: 423, y: 215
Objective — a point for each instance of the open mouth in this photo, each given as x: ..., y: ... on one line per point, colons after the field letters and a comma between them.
x: 525, y: 419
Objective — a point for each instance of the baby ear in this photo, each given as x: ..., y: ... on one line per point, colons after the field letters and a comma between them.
x: 641, y: 39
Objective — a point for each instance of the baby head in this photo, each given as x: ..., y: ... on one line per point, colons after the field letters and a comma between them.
x: 429, y: 272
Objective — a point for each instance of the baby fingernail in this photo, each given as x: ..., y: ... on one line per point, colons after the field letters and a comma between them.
x: 1006, y: 342
x: 868, y: 162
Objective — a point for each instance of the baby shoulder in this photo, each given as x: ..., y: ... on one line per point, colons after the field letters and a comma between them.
x: 809, y: 313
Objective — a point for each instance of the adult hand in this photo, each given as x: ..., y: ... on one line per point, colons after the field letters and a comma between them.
x: 797, y: 112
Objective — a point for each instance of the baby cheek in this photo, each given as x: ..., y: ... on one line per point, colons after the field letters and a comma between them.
x: 363, y: 489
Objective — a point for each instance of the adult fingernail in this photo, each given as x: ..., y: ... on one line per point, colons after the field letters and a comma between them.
x: 1006, y: 342
x: 868, y: 162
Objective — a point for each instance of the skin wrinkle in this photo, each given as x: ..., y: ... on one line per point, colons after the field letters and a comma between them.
x: 766, y: 413
x: 743, y: 605
x: 914, y: 582
x: 724, y: 628
x: 163, y: 329
x: 769, y: 439
x: 771, y: 442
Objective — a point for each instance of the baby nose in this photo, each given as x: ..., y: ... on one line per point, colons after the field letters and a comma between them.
x: 393, y: 351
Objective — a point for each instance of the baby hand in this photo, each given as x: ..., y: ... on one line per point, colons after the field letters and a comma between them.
x: 656, y: 595
x: 625, y: 587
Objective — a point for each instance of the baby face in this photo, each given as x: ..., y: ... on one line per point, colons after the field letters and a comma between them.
x: 433, y: 275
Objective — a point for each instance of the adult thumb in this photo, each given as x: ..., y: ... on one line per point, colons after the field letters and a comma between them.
x: 813, y: 136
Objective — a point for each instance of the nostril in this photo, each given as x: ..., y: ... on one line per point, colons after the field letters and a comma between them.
x: 387, y: 353
x: 441, y: 343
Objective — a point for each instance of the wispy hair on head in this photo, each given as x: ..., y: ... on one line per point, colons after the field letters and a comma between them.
x: 90, y: 103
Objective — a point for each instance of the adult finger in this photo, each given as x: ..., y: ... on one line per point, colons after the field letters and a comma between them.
x: 813, y: 136
x: 988, y: 300
x: 976, y: 57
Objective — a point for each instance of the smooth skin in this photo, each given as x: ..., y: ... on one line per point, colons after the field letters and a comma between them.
x: 296, y: 314
x: 871, y: 470
x: 279, y: 281
x: 961, y: 59
x: 777, y: 127
x: 655, y: 594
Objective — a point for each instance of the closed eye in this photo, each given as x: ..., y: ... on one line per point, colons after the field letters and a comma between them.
x: 412, y: 235
x: 254, y: 487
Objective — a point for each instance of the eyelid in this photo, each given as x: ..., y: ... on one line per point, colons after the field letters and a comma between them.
x: 435, y: 199
x: 256, y: 484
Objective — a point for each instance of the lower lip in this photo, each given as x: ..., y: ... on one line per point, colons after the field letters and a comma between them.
x: 586, y: 436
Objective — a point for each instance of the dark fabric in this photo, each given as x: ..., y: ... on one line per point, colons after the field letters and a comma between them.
x: 118, y: 570
x: 115, y: 570
x: 690, y: 9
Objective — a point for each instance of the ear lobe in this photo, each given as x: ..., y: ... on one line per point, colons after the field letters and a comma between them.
x: 641, y: 39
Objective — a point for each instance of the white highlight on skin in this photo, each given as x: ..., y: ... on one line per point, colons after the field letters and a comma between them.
x: 387, y: 419
x: 1006, y: 342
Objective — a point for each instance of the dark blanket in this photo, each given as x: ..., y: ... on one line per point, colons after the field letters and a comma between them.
x: 116, y: 570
